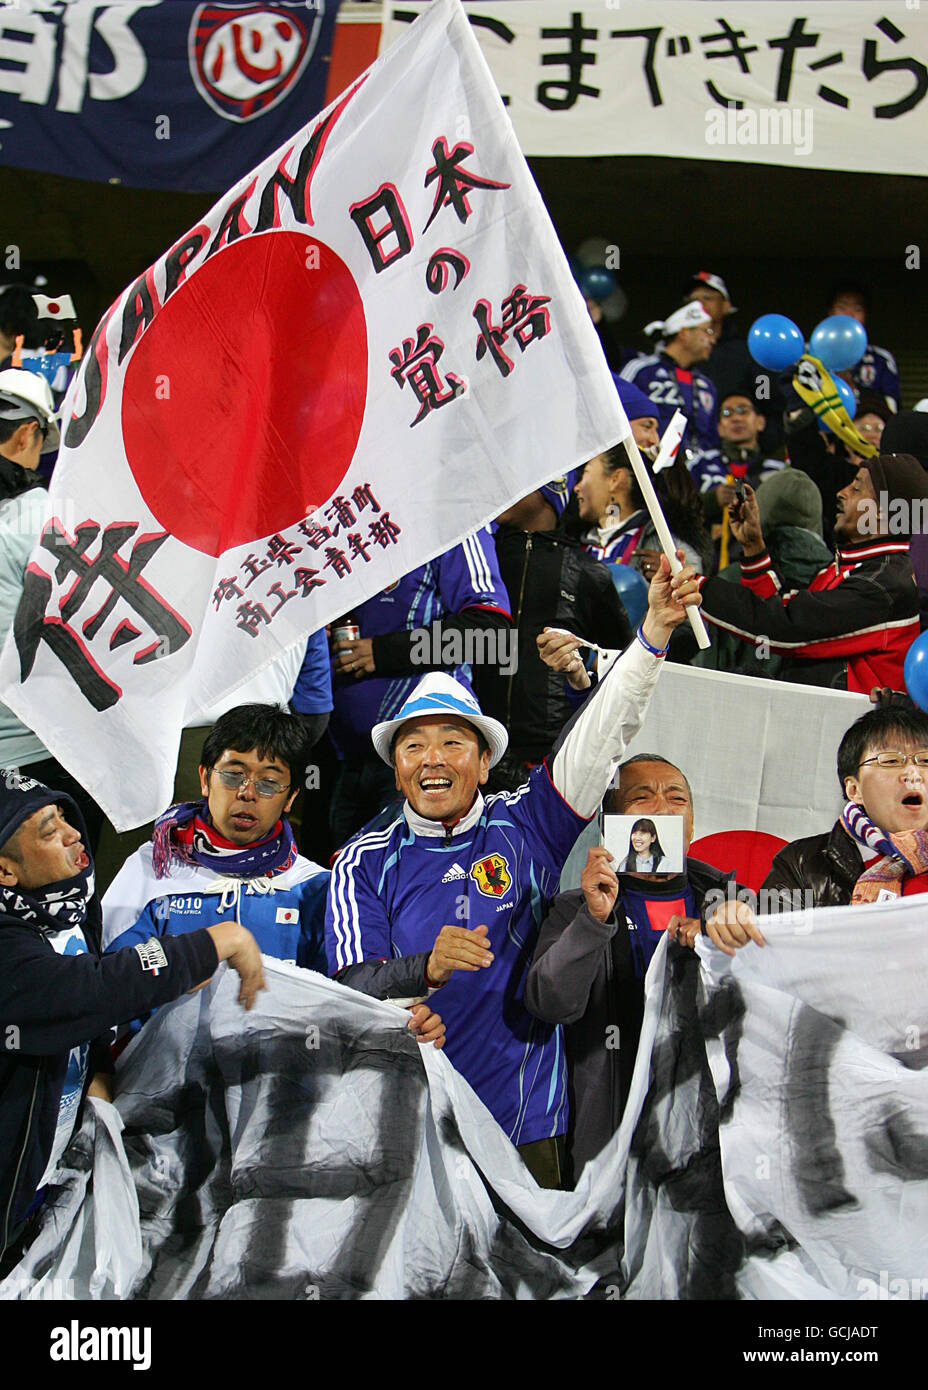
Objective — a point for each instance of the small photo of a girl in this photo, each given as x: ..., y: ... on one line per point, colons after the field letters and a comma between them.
x: 644, y: 849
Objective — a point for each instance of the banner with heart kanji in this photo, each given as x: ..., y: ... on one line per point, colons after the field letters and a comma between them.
x: 370, y: 346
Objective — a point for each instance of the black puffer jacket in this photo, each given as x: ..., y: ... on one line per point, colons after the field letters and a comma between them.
x: 825, y: 866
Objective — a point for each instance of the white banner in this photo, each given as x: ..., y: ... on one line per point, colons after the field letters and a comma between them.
x: 759, y: 755
x: 821, y: 85
x: 773, y: 1145
x: 348, y: 1162
x: 370, y: 346
x: 822, y: 1087
x: 780, y: 1152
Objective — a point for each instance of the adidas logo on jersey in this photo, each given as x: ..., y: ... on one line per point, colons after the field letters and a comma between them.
x: 454, y: 872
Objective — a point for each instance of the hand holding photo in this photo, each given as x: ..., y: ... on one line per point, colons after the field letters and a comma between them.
x: 645, y: 844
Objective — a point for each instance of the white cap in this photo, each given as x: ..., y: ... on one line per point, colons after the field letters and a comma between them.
x: 690, y: 316
x: 439, y: 693
x: 25, y: 395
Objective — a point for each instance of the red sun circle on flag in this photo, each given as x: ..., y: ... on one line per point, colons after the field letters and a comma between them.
x: 244, y: 399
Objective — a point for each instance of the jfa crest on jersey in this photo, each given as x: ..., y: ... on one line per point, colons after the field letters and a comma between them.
x: 491, y: 875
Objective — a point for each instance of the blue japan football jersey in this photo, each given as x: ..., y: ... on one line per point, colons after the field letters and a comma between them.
x: 393, y: 890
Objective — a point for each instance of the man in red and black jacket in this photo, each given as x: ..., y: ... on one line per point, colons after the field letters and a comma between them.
x: 851, y: 628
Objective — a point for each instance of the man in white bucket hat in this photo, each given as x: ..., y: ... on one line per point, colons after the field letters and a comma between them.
x: 452, y: 893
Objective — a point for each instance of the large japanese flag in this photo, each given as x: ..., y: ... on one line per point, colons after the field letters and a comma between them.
x: 367, y: 348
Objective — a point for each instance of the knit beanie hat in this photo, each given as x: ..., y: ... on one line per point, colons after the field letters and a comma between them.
x: 635, y: 403
x: 898, y: 475
x: 21, y: 796
x: 790, y: 498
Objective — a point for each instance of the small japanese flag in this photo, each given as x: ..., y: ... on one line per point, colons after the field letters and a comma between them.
x: 60, y: 308
x: 670, y: 442
x: 287, y: 914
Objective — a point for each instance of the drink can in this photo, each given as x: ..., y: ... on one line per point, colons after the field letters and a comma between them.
x: 350, y: 632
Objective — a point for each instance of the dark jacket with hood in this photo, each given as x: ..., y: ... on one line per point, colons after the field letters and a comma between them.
x: 51, y: 1003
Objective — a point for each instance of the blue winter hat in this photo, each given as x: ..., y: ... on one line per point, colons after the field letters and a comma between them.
x: 21, y: 797
x: 635, y: 403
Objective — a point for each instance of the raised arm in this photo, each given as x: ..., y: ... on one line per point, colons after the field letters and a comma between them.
x: 593, y: 744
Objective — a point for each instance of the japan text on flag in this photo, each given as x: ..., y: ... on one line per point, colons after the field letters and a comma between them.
x: 370, y: 346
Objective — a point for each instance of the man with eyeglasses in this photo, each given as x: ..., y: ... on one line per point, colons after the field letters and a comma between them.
x: 878, y: 848
x: 740, y: 427
x: 232, y: 856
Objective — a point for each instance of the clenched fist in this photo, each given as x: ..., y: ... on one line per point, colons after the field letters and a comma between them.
x: 458, y: 948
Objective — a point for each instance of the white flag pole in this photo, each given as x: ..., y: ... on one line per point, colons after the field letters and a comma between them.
x: 663, y: 531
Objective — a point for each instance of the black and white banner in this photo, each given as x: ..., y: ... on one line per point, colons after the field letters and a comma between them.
x: 820, y: 85
x: 773, y: 1147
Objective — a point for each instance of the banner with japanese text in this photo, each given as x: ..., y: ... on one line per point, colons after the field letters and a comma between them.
x: 774, y: 1145
x: 818, y: 85
x: 368, y: 348
x: 158, y: 93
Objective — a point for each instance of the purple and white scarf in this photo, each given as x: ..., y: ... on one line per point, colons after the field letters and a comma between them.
x: 185, y: 832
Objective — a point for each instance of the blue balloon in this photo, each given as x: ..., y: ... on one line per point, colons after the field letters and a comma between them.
x: 775, y: 342
x: 596, y: 282
x: 838, y: 342
x: 632, y: 588
x: 915, y: 671
x: 848, y: 399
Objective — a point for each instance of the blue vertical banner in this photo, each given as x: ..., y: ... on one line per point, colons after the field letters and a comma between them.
x: 158, y: 93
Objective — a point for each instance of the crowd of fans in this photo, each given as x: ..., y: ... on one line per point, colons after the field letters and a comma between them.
x: 446, y: 795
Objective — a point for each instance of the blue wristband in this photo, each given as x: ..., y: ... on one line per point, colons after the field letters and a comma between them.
x: 655, y: 651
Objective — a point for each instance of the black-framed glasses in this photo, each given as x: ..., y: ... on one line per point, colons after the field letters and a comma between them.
x: 891, y: 758
x: 264, y: 786
x: 736, y: 410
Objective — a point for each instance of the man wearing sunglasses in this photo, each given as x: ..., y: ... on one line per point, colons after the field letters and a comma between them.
x: 878, y: 848
x: 740, y: 427
x: 232, y: 856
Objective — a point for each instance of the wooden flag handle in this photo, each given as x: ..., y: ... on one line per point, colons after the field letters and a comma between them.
x: 663, y: 532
